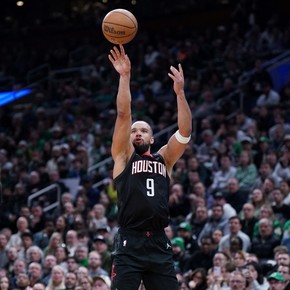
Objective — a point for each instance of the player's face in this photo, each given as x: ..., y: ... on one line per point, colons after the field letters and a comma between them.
x: 141, y: 137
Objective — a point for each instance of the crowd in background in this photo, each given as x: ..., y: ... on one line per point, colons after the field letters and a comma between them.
x: 230, y: 192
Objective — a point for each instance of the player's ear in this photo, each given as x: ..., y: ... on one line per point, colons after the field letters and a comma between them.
x: 151, y: 140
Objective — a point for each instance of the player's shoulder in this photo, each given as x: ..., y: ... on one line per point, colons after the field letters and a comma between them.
x: 158, y: 156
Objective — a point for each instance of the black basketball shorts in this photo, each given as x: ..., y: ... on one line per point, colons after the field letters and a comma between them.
x: 142, y: 256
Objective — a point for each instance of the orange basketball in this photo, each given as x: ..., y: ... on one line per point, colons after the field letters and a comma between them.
x: 119, y: 26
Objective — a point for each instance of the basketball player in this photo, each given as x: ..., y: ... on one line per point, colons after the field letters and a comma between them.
x: 142, y: 251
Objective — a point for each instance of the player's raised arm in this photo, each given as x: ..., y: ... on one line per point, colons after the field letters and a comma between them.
x: 122, y: 147
x: 176, y: 144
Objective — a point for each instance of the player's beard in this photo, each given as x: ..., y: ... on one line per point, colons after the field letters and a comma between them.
x: 141, y: 149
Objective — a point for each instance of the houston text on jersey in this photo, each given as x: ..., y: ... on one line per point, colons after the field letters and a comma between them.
x: 149, y: 166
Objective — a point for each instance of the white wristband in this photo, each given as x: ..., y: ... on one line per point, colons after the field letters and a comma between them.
x: 180, y: 138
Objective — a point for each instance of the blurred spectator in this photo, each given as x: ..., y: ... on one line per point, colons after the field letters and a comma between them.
x: 72, y: 264
x: 57, y: 280
x: 265, y: 171
x: 81, y: 206
x: 225, y: 172
x: 246, y: 172
x: 61, y: 254
x: 208, y: 143
x: 180, y: 257
x: 81, y: 255
x: 283, y: 258
x: 244, y: 122
x: 280, y: 123
x: 199, y: 192
x: 37, y: 219
x: 92, y: 193
x: 178, y: 203
x: 70, y: 281
x: 69, y: 214
x: 203, y: 256
x: 235, y: 195
x: 239, y: 260
x: 215, y: 222
x: 95, y: 265
x: 269, y: 96
x: 258, y: 199
x: 261, y: 151
x: 276, y: 281
x: 197, y: 220
x: 256, y: 277
x: 3, y: 250
x: 280, y: 209
x: 19, y: 266
x: 248, y: 220
x: 35, y: 273
x: 27, y: 242
x: 54, y: 241
x: 102, y: 282
x: 282, y: 168
x: 216, y: 237
x: 235, y: 227
x: 101, y: 246
x: 22, y: 226
x: 51, y: 164
x: 4, y: 283
x: 61, y: 226
x: 65, y: 197
x: 22, y: 281
x: 264, y: 244
x: 86, y: 282
x: 197, y: 279
x: 12, y: 255
x: 264, y: 121
x: 71, y: 241
x: 247, y: 143
x: 81, y: 273
x: 267, y: 212
x: 277, y: 139
x: 99, y: 219
x: 206, y: 105
x: 195, y: 165
x: 48, y: 264
x: 228, y: 210
x: 236, y: 245
x: 179, y: 173
x: 34, y: 254
x: 285, y: 189
x: 184, y: 231
x: 41, y: 238
x: 237, y: 281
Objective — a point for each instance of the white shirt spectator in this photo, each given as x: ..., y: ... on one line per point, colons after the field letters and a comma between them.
x: 221, y: 177
x: 271, y: 99
x: 224, y: 243
x: 234, y: 231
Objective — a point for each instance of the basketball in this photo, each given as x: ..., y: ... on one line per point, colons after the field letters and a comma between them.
x: 119, y: 26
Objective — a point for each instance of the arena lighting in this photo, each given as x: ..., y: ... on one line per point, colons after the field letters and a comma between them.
x: 7, y: 97
x: 19, y: 3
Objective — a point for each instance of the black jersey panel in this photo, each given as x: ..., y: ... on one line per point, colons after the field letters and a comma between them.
x: 143, y: 191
